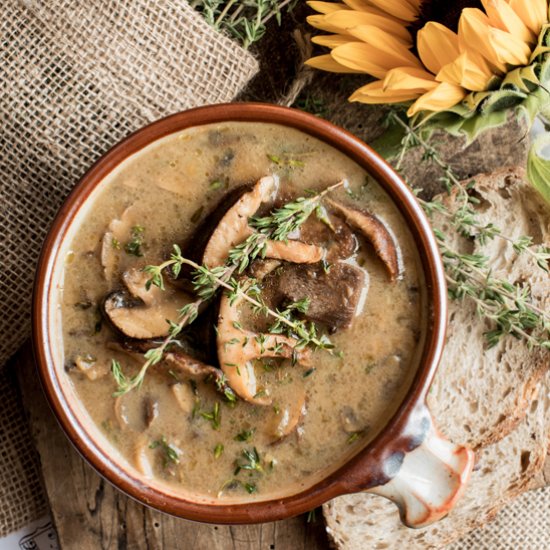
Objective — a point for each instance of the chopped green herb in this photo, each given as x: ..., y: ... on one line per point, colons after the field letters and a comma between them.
x: 216, y: 184
x: 213, y: 417
x: 252, y: 462
x: 309, y: 372
x: 170, y: 454
x: 134, y: 246
x: 353, y: 437
x: 115, y: 243
x: 196, y: 408
x: 274, y: 158
x: 285, y: 162
x: 250, y: 488
x: 245, y: 435
x: 218, y: 450
x: 312, y: 516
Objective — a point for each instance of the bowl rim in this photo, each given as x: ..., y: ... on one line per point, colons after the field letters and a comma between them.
x: 335, y: 483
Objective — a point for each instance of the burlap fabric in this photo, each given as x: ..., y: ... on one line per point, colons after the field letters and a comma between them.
x: 522, y: 525
x: 76, y: 77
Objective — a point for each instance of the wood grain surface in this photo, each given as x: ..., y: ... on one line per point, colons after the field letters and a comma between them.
x: 90, y: 514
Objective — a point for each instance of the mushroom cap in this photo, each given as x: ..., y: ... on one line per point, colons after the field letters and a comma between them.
x: 374, y: 230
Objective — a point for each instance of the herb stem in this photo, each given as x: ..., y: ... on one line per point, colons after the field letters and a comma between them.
x: 223, y: 13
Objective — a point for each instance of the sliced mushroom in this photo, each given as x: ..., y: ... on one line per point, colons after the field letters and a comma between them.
x: 334, y: 235
x: 143, y: 457
x: 228, y: 226
x: 232, y: 227
x: 334, y: 296
x: 135, y: 411
x: 177, y: 360
x: 286, y: 416
x: 373, y: 230
x: 118, y: 232
x: 91, y: 368
x: 294, y: 251
x: 184, y: 396
x: 238, y: 348
x: 350, y: 422
x: 150, y: 410
x: 140, y: 313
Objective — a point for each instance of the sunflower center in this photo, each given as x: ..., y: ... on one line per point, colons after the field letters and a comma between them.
x: 446, y: 12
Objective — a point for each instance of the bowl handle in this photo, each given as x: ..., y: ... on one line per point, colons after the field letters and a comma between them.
x: 430, y: 478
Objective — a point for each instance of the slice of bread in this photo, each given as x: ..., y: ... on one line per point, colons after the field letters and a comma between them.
x: 486, y: 392
x: 503, y: 471
x: 479, y: 396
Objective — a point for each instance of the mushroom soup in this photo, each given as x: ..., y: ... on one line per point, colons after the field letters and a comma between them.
x: 242, y: 310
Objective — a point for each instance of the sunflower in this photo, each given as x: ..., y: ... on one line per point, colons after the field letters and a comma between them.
x: 461, y: 63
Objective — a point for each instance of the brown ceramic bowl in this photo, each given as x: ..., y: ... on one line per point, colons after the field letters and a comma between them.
x: 407, y: 462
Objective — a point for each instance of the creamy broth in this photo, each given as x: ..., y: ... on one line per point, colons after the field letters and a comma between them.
x: 183, y: 431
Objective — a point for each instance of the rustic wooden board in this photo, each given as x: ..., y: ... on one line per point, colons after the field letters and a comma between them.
x: 90, y: 514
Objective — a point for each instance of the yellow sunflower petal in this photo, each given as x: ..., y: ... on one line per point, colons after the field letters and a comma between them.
x: 398, y: 8
x: 411, y: 79
x: 534, y: 13
x: 503, y: 17
x: 437, y: 46
x: 385, y: 42
x: 468, y: 70
x: 473, y: 34
x: 374, y: 93
x: 332, y: 40
x: 363, y: 5
x: 326, y: 7
x: 345, y: 19
x: 328, y: 63
x: 443, y: 97
x: 320, y: 22
x: 509, y: 48
x: 366, y: 58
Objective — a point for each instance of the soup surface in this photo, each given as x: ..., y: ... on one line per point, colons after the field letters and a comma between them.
x: 237, y: 405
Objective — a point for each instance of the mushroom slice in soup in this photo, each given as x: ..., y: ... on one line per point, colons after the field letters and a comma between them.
x: 112, y: 253
x: 228, y: 227
x: 294, y: 251
x: 349, y: 420
x: 231, y: 228
x: 184, y: 396
x: 333, y: 234
x: 144, y: 456
x: 91, y: 367
x: 375, y: 232
x: 140, y: 313
x: 179, y: 362
x: 287, y: 415
x: 335, y: 296
x: 239, y: 347
x: 150, y: 410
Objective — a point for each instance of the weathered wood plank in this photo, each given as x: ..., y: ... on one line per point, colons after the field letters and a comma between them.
x: 90, y: 514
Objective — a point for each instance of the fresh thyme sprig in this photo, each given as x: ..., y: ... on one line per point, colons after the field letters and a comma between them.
x: 243, y: 20
x: 206, y: 281
x: 508, y: 306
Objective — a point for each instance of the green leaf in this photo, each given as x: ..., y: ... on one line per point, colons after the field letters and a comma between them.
x: 388, y: 145
x: 538, y: 167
